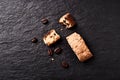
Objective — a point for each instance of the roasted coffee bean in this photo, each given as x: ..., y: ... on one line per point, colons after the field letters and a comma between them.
x: 44, y: 21
x: 50, y: 52
x: 34, y: 40
x: 57, y: 50
x: 65, y: 64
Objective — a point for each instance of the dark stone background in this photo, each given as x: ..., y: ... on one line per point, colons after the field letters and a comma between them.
x: 98, y: 21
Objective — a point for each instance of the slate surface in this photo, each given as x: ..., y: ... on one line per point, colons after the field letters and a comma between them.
x: 98, y: 21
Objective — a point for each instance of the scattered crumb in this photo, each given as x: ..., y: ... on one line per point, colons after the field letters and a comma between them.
x: 61, y: 29
x: 52, y: 59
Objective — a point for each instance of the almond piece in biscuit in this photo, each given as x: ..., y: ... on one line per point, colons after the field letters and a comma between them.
x: 67, y: 20
x: 79, y: 47
x: 51, y: 37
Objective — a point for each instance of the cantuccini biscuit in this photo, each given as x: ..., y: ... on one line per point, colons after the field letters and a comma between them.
x: 79, y: 47
x: 67, y: 20
x: 51, y: 37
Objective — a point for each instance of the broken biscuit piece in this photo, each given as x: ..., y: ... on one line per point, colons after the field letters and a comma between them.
x: 79, y: 47
x: 67, y: 20
x: 51, y: 37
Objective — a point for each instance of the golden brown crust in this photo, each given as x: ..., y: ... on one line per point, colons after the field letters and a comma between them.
x: 49, y: 32
x: 78, y: 45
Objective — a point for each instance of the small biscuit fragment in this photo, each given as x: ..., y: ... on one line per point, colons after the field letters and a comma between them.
x: 67, y: 20
x: 79, y: 47
x: 51, y: 37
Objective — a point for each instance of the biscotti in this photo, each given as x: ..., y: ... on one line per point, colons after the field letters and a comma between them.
x: 51, y: 37
x: 67, y: 20
x: 79, y: 47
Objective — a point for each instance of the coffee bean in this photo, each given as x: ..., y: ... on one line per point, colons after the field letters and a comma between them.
x: 50, y: 52
x: 65, y: 64
x: 44, y: 21
x: 34, y: 40
x: 57, y: 50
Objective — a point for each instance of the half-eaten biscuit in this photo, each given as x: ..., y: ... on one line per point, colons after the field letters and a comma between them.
x: 51, y: 37
x: 67, y: 20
